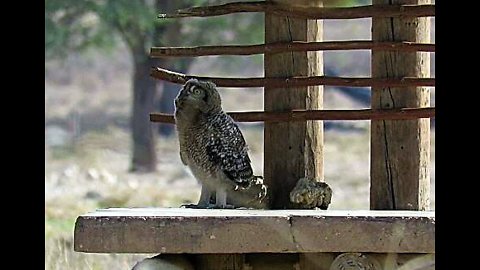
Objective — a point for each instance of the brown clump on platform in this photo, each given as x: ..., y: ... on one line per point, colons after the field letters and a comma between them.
x: 311, y: 194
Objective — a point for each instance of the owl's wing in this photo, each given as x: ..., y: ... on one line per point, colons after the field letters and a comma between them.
x: 183, y: 158
x: 228, y: 150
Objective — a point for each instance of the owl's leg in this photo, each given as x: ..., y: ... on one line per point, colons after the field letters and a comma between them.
x: 221, y: 198
x: 204, y: 201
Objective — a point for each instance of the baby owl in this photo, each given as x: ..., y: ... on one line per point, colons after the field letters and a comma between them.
x: 214, y: 149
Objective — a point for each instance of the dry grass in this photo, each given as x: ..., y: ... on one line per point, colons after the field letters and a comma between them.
x: 94, y: 176
x: 59, y: 255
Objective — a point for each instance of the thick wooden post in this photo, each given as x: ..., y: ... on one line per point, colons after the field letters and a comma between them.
x: 292, y: 149
x: 220, y: 262
x: 400, y: 149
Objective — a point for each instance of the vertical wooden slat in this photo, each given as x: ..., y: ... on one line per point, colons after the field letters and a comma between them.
x: 316, y: 261
x: 220, y: 262
x: 400, y: 149
x: 272, y: 261
x: 292, y: 150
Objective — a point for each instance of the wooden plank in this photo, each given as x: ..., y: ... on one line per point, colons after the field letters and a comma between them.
x: 277, y: 47
x: 292, y: 81
x: 302, y: 10
x: 200, y: 231
x: 400, y: 150
x: 363, y: 114
x: 316, y: 261
x: 272, y: 261
x: 220, y: 262
x: 292, y: 150
x: 342, y: 236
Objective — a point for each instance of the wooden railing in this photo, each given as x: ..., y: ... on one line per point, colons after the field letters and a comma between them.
x: 307, y: 12
x: 295, y: 46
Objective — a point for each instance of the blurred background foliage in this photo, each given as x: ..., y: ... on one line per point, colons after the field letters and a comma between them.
x: 77, y: 26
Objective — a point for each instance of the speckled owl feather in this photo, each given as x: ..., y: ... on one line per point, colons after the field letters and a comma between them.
x: 229, y: 152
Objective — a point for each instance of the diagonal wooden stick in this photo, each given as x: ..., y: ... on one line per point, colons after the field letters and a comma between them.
x: 365, y: 114
x: 179, y: 78
x: 307, y: 12
x: 158, y: 52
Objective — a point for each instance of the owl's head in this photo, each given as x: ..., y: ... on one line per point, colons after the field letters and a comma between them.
x: 198, y: 96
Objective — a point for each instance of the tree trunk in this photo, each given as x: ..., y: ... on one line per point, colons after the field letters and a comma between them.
x: 144, y: 95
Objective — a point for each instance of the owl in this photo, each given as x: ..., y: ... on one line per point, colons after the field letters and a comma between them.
x: 213, y: 148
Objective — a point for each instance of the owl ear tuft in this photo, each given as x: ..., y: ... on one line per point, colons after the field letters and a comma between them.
x: 191, y: 81
x: 211, y: 84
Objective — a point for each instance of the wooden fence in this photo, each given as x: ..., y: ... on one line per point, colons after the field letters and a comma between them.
x: 295, y: 46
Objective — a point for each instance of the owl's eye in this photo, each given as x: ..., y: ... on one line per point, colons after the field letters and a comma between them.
x: 196, y: 91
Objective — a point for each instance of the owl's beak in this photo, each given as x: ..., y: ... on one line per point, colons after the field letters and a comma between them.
x: 179, y: 99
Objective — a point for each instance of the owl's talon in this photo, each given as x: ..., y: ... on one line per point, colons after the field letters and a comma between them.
x: 214, y: 206
x: 192, y: 206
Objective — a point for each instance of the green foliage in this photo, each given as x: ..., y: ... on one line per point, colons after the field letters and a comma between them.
x: 58, y: 226
x: 134, y: 20
x: 72, y: 25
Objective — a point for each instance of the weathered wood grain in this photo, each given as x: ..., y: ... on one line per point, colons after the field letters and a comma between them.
x: 316, y: 261
x: 362, y: 114
x: 278, y: 47
x: 176, y: 230
x: 292, y: 150
x: 400, y: 150
x: 306, y: 12
x: 293, y: 81
x: 220, y: 262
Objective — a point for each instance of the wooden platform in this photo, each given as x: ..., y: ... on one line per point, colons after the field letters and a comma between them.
x: 178, y: 230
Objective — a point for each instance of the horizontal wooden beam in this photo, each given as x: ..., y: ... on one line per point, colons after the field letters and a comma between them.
x: 365, y: 114
x: 179, y: 78
x: 307, y: 12
x: 174, y: 230
x: 159, y: 52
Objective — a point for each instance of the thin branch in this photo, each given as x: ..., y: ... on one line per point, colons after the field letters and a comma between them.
x: 159, y: 52
x: 174, y: 77
x: 307, y: 12
x: 366, y: 114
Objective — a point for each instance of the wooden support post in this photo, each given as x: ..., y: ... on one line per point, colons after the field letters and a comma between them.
x: 292, y: 150
x: 220, y: 262
x: 400, y: 149
x: 316, y: 261
x: 269, y: 261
